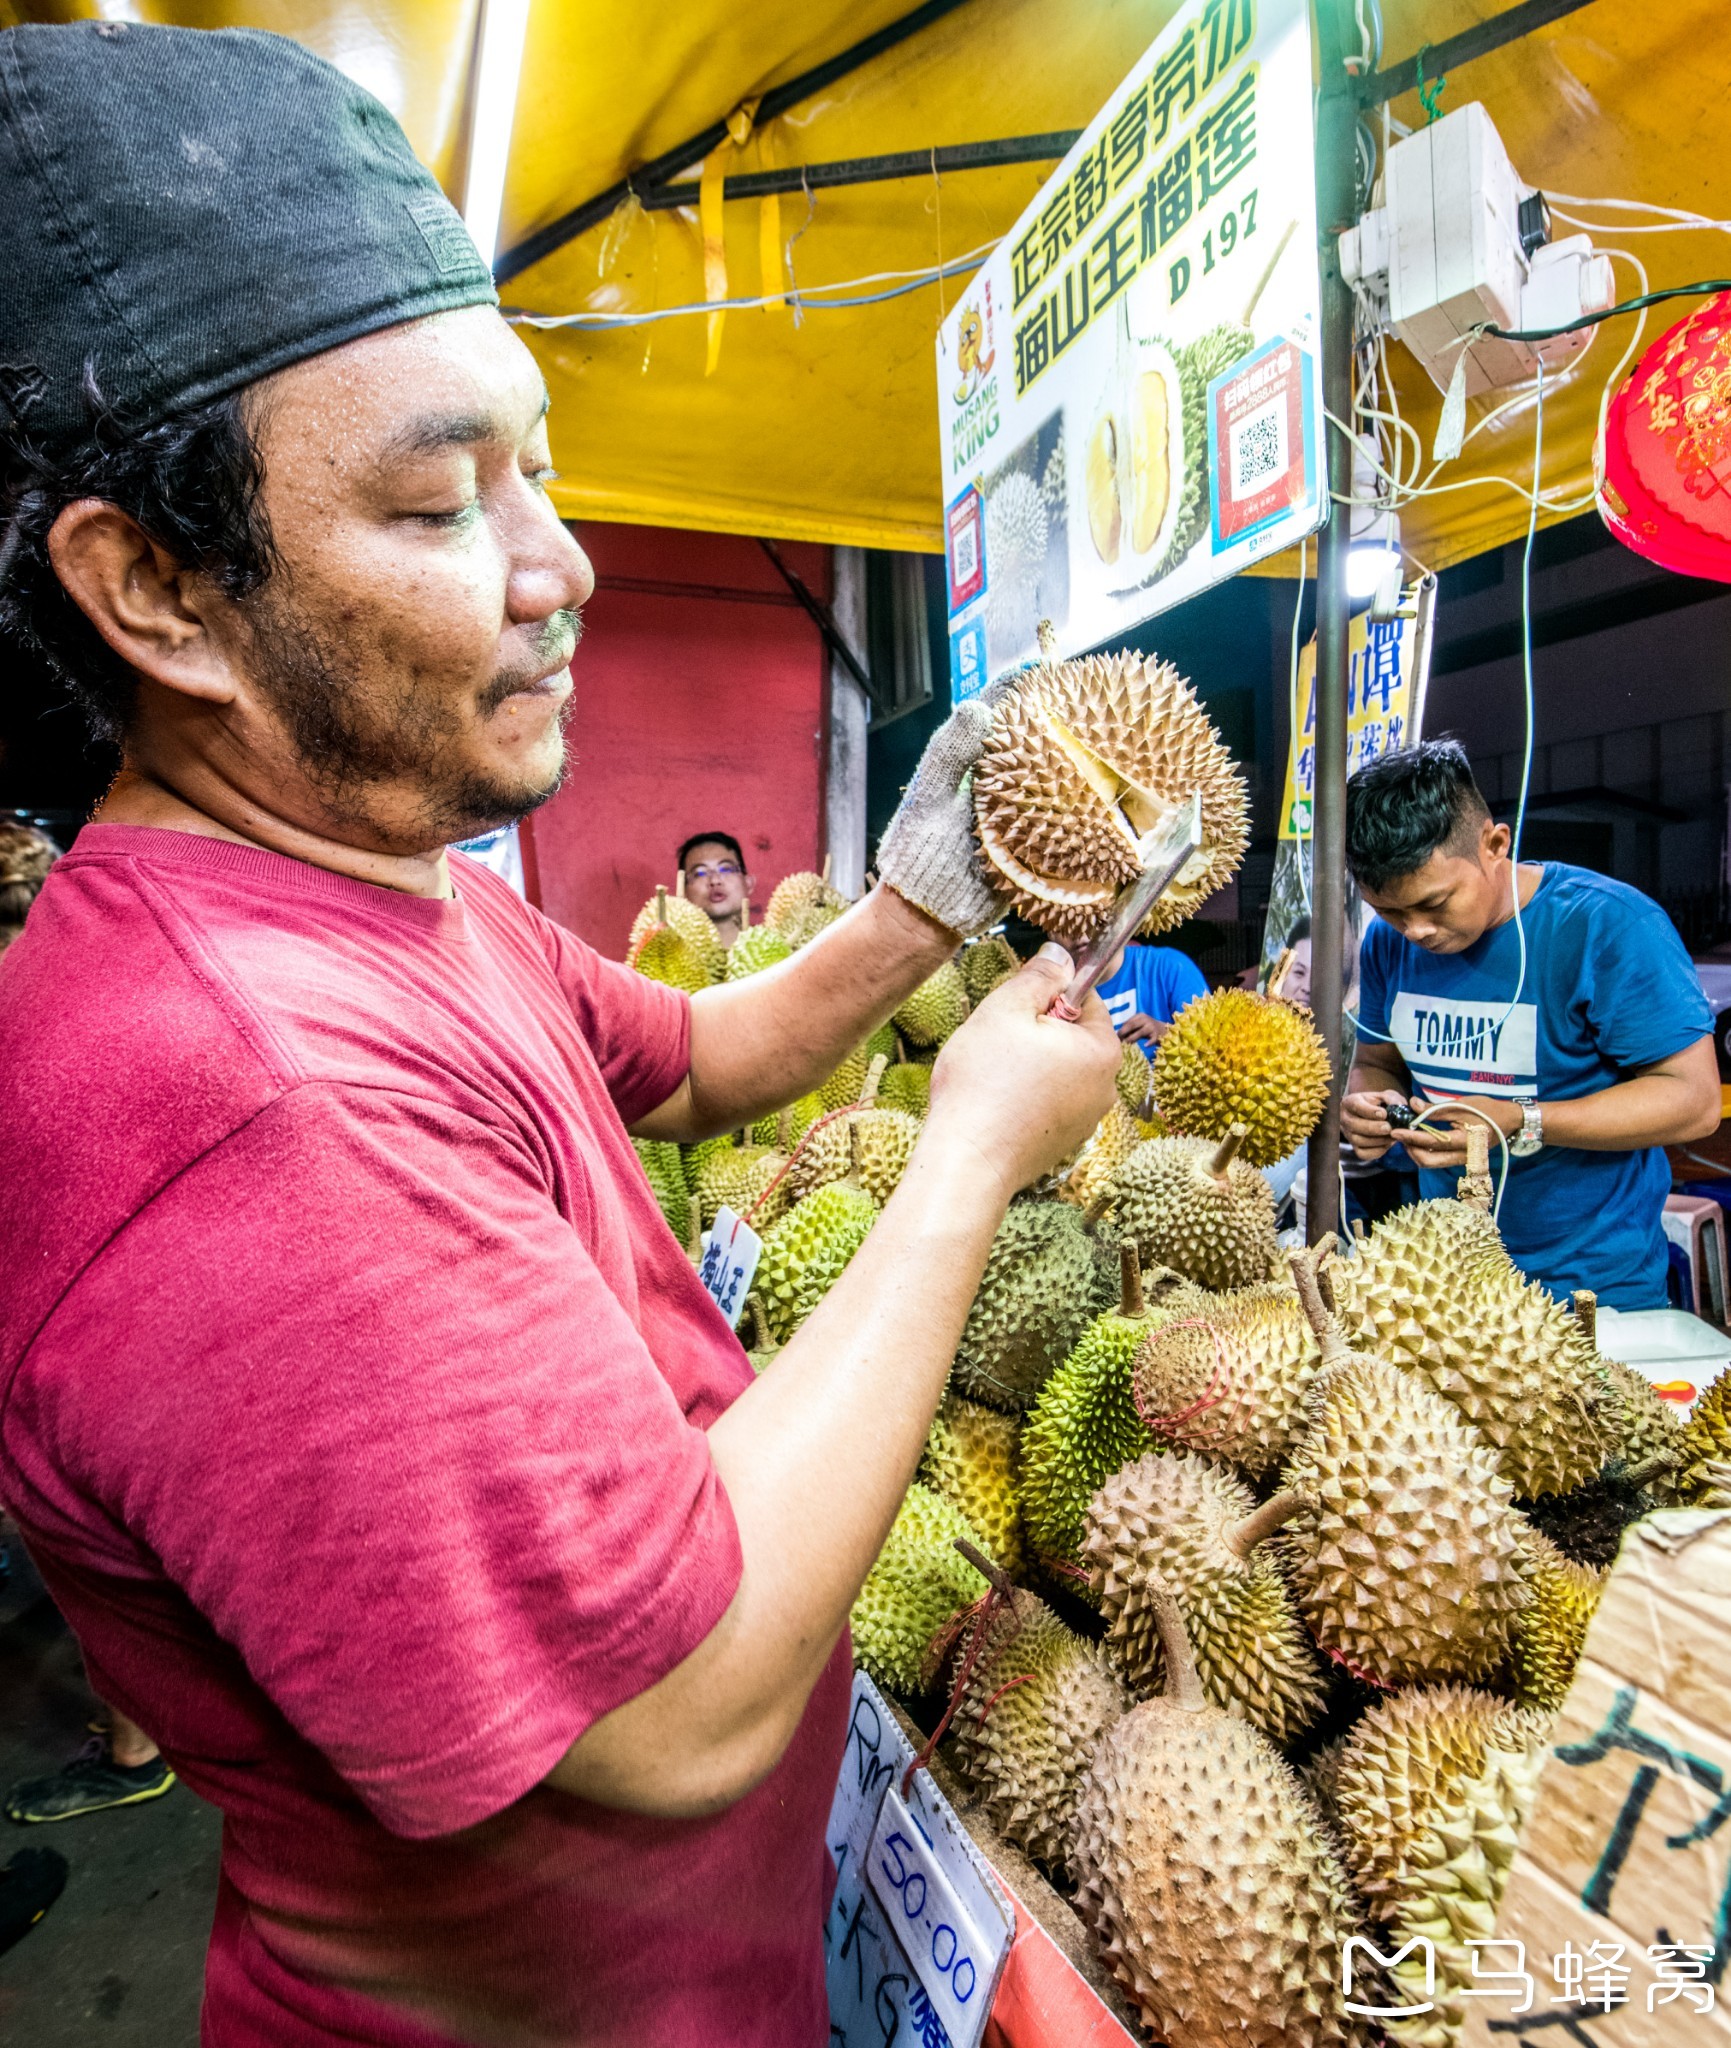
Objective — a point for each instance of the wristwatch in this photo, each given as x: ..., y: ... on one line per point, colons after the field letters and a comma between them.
x: 1531, y: 1137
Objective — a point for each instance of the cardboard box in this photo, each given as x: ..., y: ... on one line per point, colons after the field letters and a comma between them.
x: 1620, y: 1896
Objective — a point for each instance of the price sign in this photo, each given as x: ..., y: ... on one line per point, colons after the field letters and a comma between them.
x: 919, y: 1928
x: 730, y: 1255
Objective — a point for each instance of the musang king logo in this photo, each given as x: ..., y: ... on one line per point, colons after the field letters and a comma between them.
x: 975, y: 354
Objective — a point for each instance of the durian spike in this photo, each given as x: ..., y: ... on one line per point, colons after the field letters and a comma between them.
x: 1227, y: 1150
x: 694, y: 1231
x: 759, y: 1324
x: 1587, y: 1314
x: 1047, y: 638
x: 993, y: 1574
x: 1242, y: 1538
x: 1282, y: 968
x: 784, y: 1132
x: 1475, y: 1187
x: 1183, y: 1687
x: 1306, y: 1277
x: 1131, y: 1303
x: 874, y: 1076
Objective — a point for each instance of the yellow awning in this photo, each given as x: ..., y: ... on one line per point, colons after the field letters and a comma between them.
x: 822, y: 427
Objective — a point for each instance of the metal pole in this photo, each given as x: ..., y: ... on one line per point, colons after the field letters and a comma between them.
x: 1336, y: 196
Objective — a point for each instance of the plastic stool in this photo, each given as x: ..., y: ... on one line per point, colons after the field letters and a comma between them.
x: 1696, y: 1225
x: 1679, y: 1284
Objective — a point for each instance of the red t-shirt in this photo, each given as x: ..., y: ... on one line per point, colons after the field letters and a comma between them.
x: 354, y: 1407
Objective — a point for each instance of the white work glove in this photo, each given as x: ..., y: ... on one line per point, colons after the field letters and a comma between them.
x: 928, y: 853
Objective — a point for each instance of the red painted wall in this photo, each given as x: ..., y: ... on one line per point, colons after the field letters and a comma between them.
x: 700, y: 694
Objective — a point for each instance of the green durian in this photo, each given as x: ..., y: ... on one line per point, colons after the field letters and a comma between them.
x: 805, y: 1253
x: 695, y: 1157
x: 936, y: 1008
x: 985, y: 963
x: 755, y: 950
x: 906, y: 1086
x: 919, y: 1583
x: 665, y: 1172
x: 1196, y: 1207
x: 1041, y: 1287
x: 970, y: 1459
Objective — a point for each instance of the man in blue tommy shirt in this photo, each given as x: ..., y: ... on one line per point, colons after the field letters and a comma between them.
x: 1588, y: 1061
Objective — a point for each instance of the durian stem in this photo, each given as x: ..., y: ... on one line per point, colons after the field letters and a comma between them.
x: 1098, y: 1206
x: 1183, y: 1687
x: 1130, y: 1299
x: 994, y: 1574
x: 874, y: 1077
x: 1587, y: 1314
x: 826, y: 866
x: 901, y: 1050
x: 1243, y: 1537
x: 784, y: 1131
x: 694, y: 1229
x: 1227, y: 1150
x: 1475, y: 1187
x: 1651, y: 1468
x: 661, y: 903
x: 758, y: 1322
x: 679, y: 883
x: 1306, y: 1278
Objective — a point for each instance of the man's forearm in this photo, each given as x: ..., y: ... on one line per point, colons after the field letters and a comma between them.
x: 1652, y: 1109
x: 757, y: 1044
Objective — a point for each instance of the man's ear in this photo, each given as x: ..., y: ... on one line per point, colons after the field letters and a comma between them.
x: 1495, y: 840
x: 147, y: 605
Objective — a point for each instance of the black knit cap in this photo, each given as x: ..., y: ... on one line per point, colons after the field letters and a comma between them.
x: 188, y: 210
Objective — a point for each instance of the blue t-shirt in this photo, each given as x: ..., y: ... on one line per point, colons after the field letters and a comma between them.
x: 1156, y: 981
x: 1608, y: 989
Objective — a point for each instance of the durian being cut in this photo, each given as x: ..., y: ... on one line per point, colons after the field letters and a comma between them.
x: 1084, y: 764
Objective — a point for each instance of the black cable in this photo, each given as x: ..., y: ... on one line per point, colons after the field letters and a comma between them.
x: 1675, y: 291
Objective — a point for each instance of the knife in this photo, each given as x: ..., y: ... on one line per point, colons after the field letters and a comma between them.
x: 1164, y: 852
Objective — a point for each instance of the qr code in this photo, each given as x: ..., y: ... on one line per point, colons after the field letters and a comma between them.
x: 967, y: 553
x: 1259, y: 448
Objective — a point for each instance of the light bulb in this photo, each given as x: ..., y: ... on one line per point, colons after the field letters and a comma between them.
x: 1367, y: 563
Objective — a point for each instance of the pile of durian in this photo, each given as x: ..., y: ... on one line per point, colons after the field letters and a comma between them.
x: 1244, y: 1584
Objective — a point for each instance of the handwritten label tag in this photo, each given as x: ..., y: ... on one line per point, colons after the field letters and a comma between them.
x: 730, y: 1255
x: 919, y: 1928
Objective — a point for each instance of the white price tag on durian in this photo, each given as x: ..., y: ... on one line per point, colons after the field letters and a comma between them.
x: 730, y: 1255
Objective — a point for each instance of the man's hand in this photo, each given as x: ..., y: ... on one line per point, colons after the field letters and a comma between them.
x: 1443, y: 1141
x: 1364, y: 1122
x: 1145, y: 1030
x: 1020, y: 1088
x: 928, y: 853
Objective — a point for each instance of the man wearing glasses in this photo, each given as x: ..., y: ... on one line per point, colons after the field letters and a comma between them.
x: 716, y: 880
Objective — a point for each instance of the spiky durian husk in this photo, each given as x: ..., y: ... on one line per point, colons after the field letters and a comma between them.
x: 805, y: 1253
x: 742, y: 1179
x: 843, y: 1086
x: 1049, y: 838
x: 1432, y: 1288
x: 665, y: 1172
x: 695, y: 1157
x: 938, y: 1007
x: 1043, y: 1282
x: 1707, y: 1446
x: 801, y: 905
x: 1031, y: 1715
x: 1214, y: 1894
x: 665, y: 956
x: 985, y: 963
x: 1550, y: 1635
x: 886, y: 1143
x: 906, y: 1086
x: 1232, y: 1057
x: 1163, y: 1522
x: 1082, y: 1427
x: 1095, y: 1167
x: 667, y: 912
x: 1135, y: 1077
x: 800, y: 1115
x: 970, y: 1458
x: 755, y: 950
x: 1408, y: 1562
x: 1587, y: 1523
x: 1432, y: 1791
x: 1229, y: 1378
x: 1218, y: 1232
x: 1647, y: 1428
x: 919, y: 1583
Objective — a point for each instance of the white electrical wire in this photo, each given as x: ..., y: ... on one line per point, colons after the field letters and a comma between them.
x: 1292, y: 700
x: 1490, y: 1123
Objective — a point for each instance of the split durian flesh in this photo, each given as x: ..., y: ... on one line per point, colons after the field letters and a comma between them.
x: 1432, y: 1289
x: 1043, y: 1283
x: 1214, y: 1893
x: 1032, y: 1710
x: 1431, y: 1790
x: 971, y: 1460
x: 1236, y: 1058
x: 918, y: 1585
x: 1175, y: 1523
x: 1084, y: 1425
x: 1083, y: 759
x: 1197, y: 1208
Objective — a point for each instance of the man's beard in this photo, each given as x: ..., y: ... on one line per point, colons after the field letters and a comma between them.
x: 349, y: 748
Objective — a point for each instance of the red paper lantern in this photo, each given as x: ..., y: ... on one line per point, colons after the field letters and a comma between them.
x: 1662, y: 468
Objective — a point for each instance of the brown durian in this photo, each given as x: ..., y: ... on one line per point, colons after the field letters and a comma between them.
x: 1214, y: 1894
x: 1176, y: 1523
x: 1084, y: 757
x: 1197, y: 1208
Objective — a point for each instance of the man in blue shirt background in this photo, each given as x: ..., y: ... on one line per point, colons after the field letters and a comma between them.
x: 1589, y: 1053
x: 1151, y: 986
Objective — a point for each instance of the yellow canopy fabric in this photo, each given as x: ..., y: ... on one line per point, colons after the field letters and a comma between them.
x: 824, y: 427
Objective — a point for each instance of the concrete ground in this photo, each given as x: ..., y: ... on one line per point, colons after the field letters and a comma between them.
x: 118, y: 1961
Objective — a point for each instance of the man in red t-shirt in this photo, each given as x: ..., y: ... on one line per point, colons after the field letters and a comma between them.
x: 362, y: 1413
